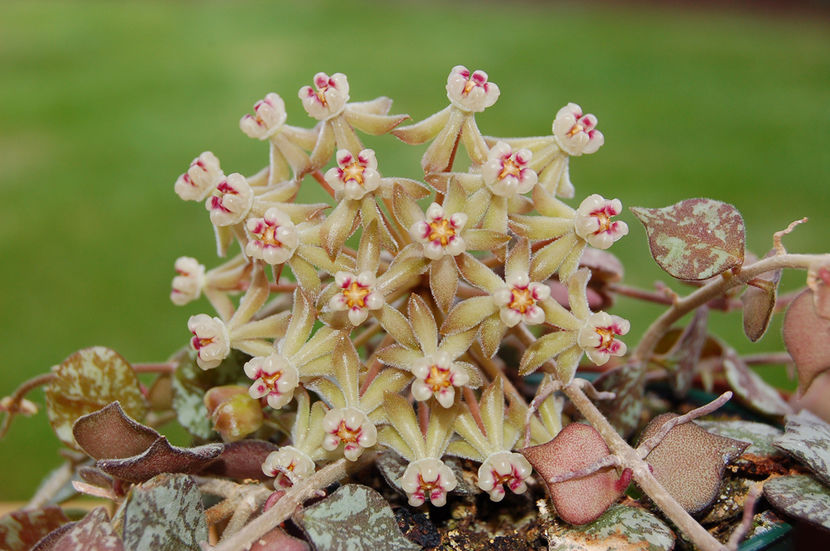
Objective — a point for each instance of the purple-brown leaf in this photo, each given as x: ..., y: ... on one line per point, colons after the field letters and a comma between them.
x: 109, y: 433
x: 759, y: 303
x: 689, y: 462
x: 20, y: 530
x: 159, y: 458
x: 750, y: 388
x: 695, y: 239
x: 579, y: 500
x: 241, y: 460
x: 807, y: 337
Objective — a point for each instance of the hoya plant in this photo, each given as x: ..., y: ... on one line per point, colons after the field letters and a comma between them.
x: 420, y: 344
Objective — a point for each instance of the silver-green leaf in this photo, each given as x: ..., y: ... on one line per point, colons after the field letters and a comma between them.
x: 353, y: 518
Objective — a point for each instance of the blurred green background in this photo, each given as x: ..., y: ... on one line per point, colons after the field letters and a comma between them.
x: 103, y: 105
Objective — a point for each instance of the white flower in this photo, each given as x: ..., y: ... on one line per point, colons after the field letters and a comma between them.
x: 274, y: 377
x: 440, y: 235
x: 576, y: 133
x: 289, y: 465
x: 519, y: 301
x: 273, y: 238
x: 598, y: 336
x: 231, y: 201
x: 188, y: 284
x: 470, y: 92
x: 211, y: 340
x: 427, y: 478
x: 593, y: 221
x: 506, y: 172
x: 503, y: 468
x: 357, y: 295
x: 437, y: 375
x: 354, y: 177
x: 269, y: 116
x: 328, y: 97
x: 200, y: 179
x: 350, y: 426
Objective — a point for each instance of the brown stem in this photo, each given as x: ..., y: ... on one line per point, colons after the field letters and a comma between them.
x: 645, y: 447
x: 282, y: 287
x: 767, y: 358
x: 547, y: 388
x: 423, y: 417
x: 162, y: 367
x: 374, y: 364
x: 641, y: 294
x: 12, y: 404
x: 493, y: 370
x: 746, y: 520
x: 607, y: 461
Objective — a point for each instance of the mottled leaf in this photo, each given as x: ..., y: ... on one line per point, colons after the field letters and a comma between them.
x: 190, y: 384
x: 750, y: 388
x: 689, y: 462
x: 759, y: 303
x: 241, y: 460
x: 579, y: 500
x: 807, y: 438
x: 163, y: 514
x: 353, y: 517
x: 89, y: 380
x: 20, y: 530
x: 807, y: 337
x: 760, y: 436
x: 161, y: 457
x: 93, y: 533
x: 800, y: 496
x: 621, y: 528
x: 109, y: 433
x: 687, y: 350
x: 696, y: 238
x: 623, y: 411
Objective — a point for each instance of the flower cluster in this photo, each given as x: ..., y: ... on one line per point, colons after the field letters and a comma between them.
x: 340, y: 342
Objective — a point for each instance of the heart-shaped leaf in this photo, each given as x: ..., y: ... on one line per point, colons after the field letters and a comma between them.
x: 92, y: 533
x: 760, y: 436
x: 759, y: 303
x: 163, y: 514
x: 161, y: 457
x: 807, y: 438
x: 279, y: 540
x: 621, y: 528
x: 750, y: 388
x: 20, y: 530
x: 108, y: 435
x: 807, y: 337
x: 689, y: 462
x: 241, y: 460
x: 695, y: 239
x: 87, y: 381
x: 579, y: 500
x: 353, y: 517
x: 800, y: 496
x: 624, y: 409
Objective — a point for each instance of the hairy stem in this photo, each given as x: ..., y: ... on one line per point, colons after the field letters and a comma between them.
x: 286, y: 506
x: 712, y: 290
x: 12, y: 404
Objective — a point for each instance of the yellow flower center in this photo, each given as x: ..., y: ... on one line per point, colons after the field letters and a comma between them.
x: 469, y: 86
x: 355, y: 295
x: 606, y: 336
x: 438, y: 378
x: 521, y: 299
x: 575, y: 129
x: 603, y: 219
x: 509, y: 168
x: 345, y: 434
x: 353, y: 172
x: 271, y: 380
x: 321, y: 95
x: 441, y: 230
x: 428, y: 487
x: 269, y: 236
